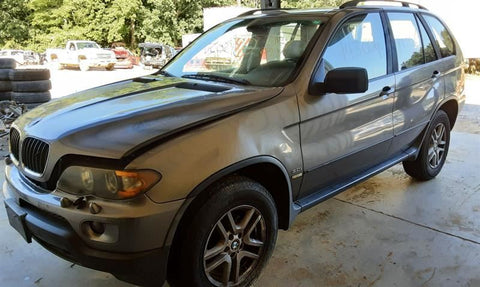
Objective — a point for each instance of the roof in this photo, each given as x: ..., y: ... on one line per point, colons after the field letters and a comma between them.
x: 355, y: 4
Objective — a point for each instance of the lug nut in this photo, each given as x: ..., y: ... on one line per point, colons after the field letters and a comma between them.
x: 94, y: 208
x: 65, y: 202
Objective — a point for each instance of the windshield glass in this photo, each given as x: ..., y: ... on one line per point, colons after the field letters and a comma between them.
x: 260, y: 51
x: 85, y: 45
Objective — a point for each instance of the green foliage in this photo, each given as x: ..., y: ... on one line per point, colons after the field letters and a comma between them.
x: 13, y: 27
x: 41, y: 24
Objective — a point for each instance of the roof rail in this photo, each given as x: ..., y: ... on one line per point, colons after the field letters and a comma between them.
x: 264, y: 11
x: 355, y: 3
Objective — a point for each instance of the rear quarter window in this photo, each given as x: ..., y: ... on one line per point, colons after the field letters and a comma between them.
x: 442, y: 37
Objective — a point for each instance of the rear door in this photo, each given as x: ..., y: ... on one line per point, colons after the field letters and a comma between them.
x: 419, y: 86
x: 343, y: 134
x: 451, y: 60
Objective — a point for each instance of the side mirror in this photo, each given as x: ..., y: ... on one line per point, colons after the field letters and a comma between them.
x: 343, y: 81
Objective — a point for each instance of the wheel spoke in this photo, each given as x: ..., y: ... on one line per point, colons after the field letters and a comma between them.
x: 435, y: 134
x: 247, y: 237
x: 214, y: 251
x: 227, y: 269
x: 233, y: 225
x: 441, y: 132
x: 431, y: 154
x: 442, y: 142
x: 222, y: 230
x: 246, y: 219
x: 435, y: 160
x: 248, y: 254
x: 225, y: 258
x: 236, y: 269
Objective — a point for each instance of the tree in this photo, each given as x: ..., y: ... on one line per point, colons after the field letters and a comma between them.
x: 41, y: 24
x: 13, y: 22
x: 167, y: 20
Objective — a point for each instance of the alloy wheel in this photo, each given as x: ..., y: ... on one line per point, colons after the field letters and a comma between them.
x: 436, y: 150
x: 234, y: 246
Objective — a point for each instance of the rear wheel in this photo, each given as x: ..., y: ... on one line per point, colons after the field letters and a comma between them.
x: 433, y: 152
x: 229, y: 239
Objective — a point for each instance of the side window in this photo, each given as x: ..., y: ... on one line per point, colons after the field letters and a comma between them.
x: 428, y: 49
x: 407, y: 40
x: 441, y: 35
x: 359, y: 42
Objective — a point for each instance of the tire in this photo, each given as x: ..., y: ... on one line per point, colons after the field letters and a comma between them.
x: 83, y: 66
x: 433, y: 151
x: 197, y: 246
x: 5, y: 74
x: 29, y: 75
x: 5, y: 96
x: 8, y: 63
x: 5, y: 86
x: 31, y: 86
x: 31, y: 98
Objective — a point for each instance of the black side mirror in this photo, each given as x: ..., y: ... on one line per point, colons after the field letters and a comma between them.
x: 343, y: 81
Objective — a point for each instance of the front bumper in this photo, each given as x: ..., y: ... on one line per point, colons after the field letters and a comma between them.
x: 137, y: 254
x: 103, y: 63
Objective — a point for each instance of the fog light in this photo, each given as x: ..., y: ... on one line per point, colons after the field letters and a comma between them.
x: 97, y: 227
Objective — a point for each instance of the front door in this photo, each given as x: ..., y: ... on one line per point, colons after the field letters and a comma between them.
x: 343, y: 134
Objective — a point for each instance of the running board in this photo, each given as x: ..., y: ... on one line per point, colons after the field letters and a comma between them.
x: 325, y: 193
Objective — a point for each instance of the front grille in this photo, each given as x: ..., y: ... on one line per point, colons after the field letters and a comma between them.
x: 103, y: 56
x: 15, y: 143
x: 34, y: 154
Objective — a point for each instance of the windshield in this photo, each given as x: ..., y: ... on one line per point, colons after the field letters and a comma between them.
x: 85, y: 45
x: 260, y: 51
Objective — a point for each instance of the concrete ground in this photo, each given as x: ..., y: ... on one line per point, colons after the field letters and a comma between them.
x: 388, y: 231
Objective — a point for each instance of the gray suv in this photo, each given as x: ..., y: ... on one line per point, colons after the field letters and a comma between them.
x: 187, y: 174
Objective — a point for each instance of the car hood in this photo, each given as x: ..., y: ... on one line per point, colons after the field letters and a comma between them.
x: 115, y: 120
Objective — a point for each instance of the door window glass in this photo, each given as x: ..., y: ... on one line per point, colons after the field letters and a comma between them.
x: 407, y: 40
x: 428, y: 49
x: 359, y: 42
x: 441, y: 35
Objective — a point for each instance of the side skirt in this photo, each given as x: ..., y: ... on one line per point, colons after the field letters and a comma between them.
x: 325, y: 193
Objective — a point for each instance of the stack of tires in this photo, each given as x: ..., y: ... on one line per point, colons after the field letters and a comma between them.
x: 31, y: 87
x: 6, y: 66
x: 24, y: 86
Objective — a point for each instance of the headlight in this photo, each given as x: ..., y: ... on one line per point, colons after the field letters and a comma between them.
x: 105, y: 183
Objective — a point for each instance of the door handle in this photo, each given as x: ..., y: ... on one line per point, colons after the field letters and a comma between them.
x: 386, y: 91
x: 436, y: 74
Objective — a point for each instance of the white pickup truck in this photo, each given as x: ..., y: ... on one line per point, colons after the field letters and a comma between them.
x: 82, y: 54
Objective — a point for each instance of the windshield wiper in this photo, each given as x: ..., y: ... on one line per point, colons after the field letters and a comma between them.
x: 225, y: 79
x: 164, y: 73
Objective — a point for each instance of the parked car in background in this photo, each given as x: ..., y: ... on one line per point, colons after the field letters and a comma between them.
x: 155, y: 55
x: 82, y: 54
x: 188, y: 174
x: 17, y: 55
x: 125, y: 58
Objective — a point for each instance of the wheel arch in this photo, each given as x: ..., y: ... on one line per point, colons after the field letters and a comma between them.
x: 266, y: 170
x: 450, y: 107
x: 277, y: 183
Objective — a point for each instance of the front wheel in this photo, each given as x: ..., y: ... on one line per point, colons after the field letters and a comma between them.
x: 110, y: 67
x: 229, y: 239
x: 433, y: 151
x: 83, y: 65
